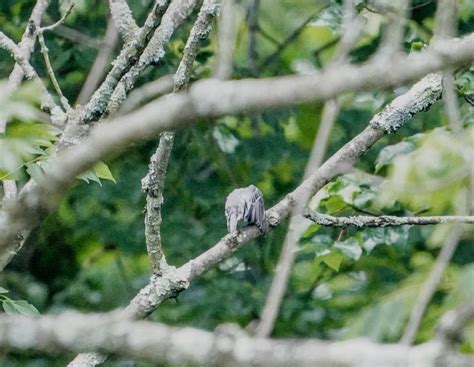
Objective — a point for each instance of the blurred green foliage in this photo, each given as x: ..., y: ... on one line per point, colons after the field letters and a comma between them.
x: 90, y: 255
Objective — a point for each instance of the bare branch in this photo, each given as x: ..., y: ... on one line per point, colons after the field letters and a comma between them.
x: 283, y: 45
x: 430, y: 286
x: 148, y: 91
x: 129, y: 56
x: 57, y: 115
x: 393, y: 35
x: 177, y: 12
x: 227, y: 33
x: 59, y: 22
x: 153, y: 184
x: 49, y: 68
x: 383, y: 220
x: 228, y: 345
x: 279, y: 284
x: 27, y: 42
x: 123, y: 19
x: 252, y: 20
x: 102, y: 59
x: 351, y: 29
x: 445, y: 27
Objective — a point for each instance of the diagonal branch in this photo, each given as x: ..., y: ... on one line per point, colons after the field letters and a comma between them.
x: 102, y: 59
x: 57, y: 115
x: 27, y: 42
x: 129, y: 56
x: 123, y: 19
x: 176, y: 14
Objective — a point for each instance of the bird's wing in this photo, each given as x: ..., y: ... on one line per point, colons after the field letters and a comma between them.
x: 255, y: 211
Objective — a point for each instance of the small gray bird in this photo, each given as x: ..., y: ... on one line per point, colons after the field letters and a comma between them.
x: 245, y: 204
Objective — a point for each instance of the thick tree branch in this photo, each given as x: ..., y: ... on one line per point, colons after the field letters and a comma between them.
x: 123, y: 19
x: 228, y: 345
x: 383, y: 220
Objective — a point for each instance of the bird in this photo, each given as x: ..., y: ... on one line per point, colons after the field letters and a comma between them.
x: 245, y: 204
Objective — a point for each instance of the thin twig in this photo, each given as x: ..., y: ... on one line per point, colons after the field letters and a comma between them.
x: 252, y: 20
x: 382, y: 220
x: 280, y: 280
x: 393, y: 35
x: 49, y: 68
x: 283, y: 45
x: 60, y: 21
x: 26, y: 46
x: 57, y: 115
x: 148, y: 91
x: 97, y: 70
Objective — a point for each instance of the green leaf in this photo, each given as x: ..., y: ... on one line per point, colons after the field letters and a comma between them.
x: 89, y: 175
x: 387, y: 154
x: 349, y: 248
x: 333, y: 260
x: 103, y: 171
x: 35, y: 171
x: 3, y: 290
x: 25, y: 308
x: 9, y: 308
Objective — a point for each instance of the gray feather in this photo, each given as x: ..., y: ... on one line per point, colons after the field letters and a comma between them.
x: 245, y: 204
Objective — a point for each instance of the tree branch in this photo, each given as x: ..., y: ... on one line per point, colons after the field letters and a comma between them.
x: 128, y: 57
x: 146, y: 92
x: 123, y: 19
x: 227, y: 33
x: 382, y: 221
x: 102, y: 59
x: 176, y: 14
x: 430, y: 286
x: 228, y: 345
x: 27, y: 42
x: 57, y: 115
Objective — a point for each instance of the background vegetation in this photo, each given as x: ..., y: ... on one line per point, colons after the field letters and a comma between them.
x: 90, y: 255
